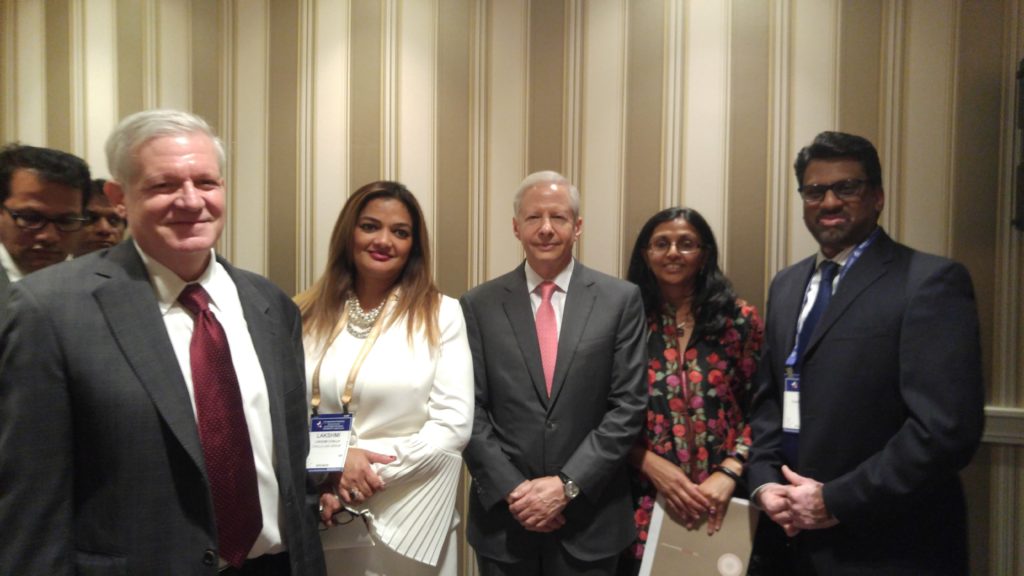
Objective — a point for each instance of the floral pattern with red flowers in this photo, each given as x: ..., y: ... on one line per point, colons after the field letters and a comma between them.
x: 708, y: 391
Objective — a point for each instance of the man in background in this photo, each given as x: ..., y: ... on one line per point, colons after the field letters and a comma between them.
x: 870, y: 396
x: 42, y: 194
x: 104, y: 222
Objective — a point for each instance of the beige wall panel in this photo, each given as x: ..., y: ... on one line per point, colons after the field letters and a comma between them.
x: 706, y: 117
x: 365, y: 96
x: 674, y: 106
x: 27, y: 44
x: 247, y: 105
x: 603, y: 134
x: 505, y: 157
x: 131, y: 55
x: 416, y: 88
x: 57, y: 96
x: 812, y: 105
x: 547, y: 85
x: 208, y: 61
x: 742, y: 245
x: 451, y: 233
x: 174, y: 54
x: 976, y: 156
x: 645, y: 89
x: 860, y: 68
x: 928, y: 125
x: 283, y: 145
x: 330, y: 125
x: 100, y: 111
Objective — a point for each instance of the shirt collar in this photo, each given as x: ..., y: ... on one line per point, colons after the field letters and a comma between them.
x: 168, y: 285
x: 561, y: 280
x: 7, y: 261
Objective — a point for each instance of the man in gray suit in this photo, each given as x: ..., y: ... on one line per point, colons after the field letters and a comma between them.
x: 560, y: 396
x: 42, y: 195
x: 152, y: 399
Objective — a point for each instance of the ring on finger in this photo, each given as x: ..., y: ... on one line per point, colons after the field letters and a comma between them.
x: 355, y: 494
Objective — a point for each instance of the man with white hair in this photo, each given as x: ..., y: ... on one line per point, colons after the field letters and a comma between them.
x: 152, y: 400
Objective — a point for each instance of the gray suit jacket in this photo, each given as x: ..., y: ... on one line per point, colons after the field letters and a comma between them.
x: 4, y: 284
x: 102, y: 469
x: 586, y: 428
x: 891, y: 408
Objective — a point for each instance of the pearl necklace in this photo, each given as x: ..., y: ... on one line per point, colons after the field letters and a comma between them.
x: 360, y: 322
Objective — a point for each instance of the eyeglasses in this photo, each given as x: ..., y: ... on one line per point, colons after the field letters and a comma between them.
x: 844, y: 190
x: 346, y: 515
x: 114, y: 220
x: 661, y: 246
x: 35, y: 221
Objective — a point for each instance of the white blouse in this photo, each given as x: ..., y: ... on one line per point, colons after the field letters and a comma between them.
x: 416, y: 404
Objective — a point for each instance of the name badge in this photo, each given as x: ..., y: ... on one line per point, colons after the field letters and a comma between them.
x: 791, y: 404
x: 329, y: 436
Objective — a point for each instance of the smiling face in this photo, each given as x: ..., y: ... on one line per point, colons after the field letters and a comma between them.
x: 382, y: 241
x: 175, y: 205
x: 674, y: 256
x: 547, y: 228
x: 838, y: 224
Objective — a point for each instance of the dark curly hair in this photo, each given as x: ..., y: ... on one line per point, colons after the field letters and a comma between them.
x: 713, y: 296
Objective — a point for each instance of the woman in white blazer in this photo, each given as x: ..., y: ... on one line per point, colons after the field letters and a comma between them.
x: 384, y: 345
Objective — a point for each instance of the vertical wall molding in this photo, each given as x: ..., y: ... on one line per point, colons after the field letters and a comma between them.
x: 675, y: 93
x: 306, y: 136
x: 8, y: 98
x: 477, y: 145
x: 777, y: 216
x: 389, y: 67
x: 890, y: 148
x: 574, y: 62
x: 951, y: 106
x: 76, y: 69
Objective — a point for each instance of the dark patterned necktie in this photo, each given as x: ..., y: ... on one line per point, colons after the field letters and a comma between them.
x: 222, y: 431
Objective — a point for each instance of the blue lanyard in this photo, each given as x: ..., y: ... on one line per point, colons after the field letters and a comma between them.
x: 794, y: 356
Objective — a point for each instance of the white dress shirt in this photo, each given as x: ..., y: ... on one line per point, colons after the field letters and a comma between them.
x: 227, y: 308
x: 7, y: 261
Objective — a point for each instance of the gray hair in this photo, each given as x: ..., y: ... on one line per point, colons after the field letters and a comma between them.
x: 547, y: 177
x: 141, y: 127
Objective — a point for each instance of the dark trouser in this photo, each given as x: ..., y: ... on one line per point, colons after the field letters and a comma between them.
x: 266, y: 565
x: 550, y: 560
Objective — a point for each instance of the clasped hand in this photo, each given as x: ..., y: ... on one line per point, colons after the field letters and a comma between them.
x: 687, y: 502
x: 798, y: 506
x: 354, y: 485
x: 538, y: 504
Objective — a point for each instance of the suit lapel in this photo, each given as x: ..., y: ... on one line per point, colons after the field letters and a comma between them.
x: 520, y: 316
x: 789, y: 298
x: 579, y: 303
x: 866, y: 271
x: 128, y: 303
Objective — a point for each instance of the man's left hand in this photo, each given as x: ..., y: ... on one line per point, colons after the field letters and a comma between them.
x: 538, y: 503
x: 807, y: 504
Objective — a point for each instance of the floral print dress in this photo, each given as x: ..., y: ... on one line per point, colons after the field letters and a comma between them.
x: 697, y: 412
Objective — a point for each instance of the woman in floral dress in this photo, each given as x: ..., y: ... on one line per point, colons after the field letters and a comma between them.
x: 703, y: 348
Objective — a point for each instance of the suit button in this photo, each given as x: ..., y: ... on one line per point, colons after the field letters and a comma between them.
x: 552, y: 425
x: 210, y: 557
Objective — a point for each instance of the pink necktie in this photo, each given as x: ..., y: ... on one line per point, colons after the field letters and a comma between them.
x: 222, y: 431
x: 547, y: 332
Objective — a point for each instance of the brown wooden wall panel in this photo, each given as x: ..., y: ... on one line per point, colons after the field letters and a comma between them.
x: 365, y: 96
x: 282, y: 125
x: 546, y: 86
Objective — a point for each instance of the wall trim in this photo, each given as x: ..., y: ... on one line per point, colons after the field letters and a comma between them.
x: 672, y: 168
x: 306, y: 153
x: 777, y: 215
x: 1004, y: 425
x: 477, y: 268
x: 890, y: 148
x: 389, y: 77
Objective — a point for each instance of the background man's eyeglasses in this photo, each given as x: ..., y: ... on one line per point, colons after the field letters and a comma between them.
x: 28, y: 220
x: 843, y: 189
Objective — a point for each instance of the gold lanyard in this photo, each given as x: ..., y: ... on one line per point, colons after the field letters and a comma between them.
x: 346, y: 397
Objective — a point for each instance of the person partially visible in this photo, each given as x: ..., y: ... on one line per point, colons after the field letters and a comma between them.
x: 703, y: 347
x: 104, y: 222
x: 42, y: 195
x: 870, y: 397
x: 558, y: 361
x: 152, y: 396
x: 384, y: 345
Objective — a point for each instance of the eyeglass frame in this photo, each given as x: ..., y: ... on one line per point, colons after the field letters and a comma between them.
x: 844, y: 190
x: 60, y: 222
x: 677, y: 244
x: 350, y: 515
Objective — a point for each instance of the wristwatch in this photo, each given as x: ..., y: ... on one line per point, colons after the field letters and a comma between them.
x: 572, y: 490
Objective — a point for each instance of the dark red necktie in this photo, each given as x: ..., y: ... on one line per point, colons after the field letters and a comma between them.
x: 222, y: 431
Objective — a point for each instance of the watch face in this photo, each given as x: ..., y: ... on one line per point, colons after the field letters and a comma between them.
x: 571, y: 490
